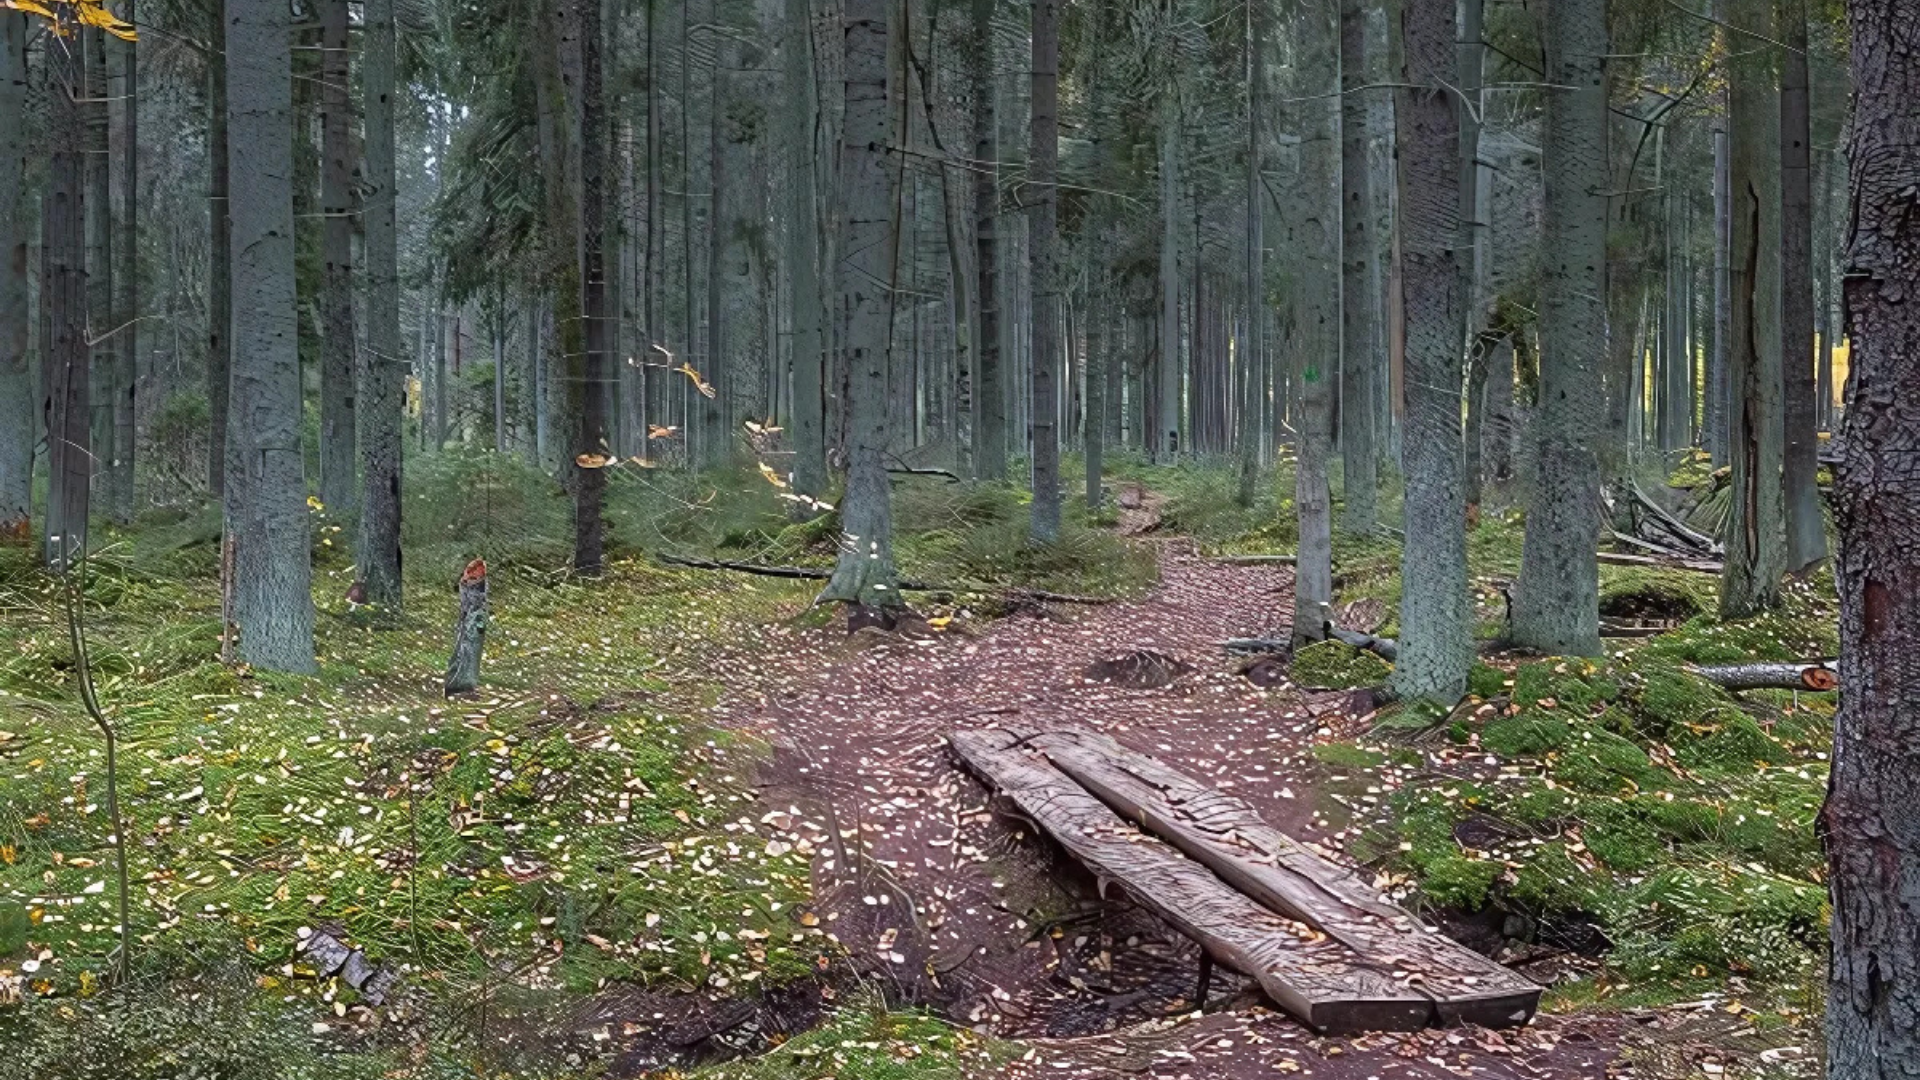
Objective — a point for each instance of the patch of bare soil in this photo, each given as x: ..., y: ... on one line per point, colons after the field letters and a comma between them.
x: 947, y: 903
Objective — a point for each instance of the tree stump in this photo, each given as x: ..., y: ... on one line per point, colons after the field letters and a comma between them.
x: 469, y: 631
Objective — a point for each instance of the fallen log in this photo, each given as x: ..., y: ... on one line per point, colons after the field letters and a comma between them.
x: 821, y: 573
x: 1255, y: 560
x: 1791, y: 675
x: 330, y: 956
x: 1621, y: 558
x: 1384, y: 647
x: 1257, y: 645
x: 1680, y: 529
x: 1227, y: 836
x: 1314, y: 977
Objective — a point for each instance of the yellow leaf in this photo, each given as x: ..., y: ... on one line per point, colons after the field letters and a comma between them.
x: 773, y: 478
x: 95, y: 14
x: 29, y: 7
x: 705, y: 388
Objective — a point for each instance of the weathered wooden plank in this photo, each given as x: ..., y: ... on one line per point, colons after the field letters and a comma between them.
x: 1227, y: 836
x: 1312, y: 976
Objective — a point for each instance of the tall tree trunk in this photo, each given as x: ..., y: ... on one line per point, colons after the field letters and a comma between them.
x: 63, y: 300
x: 1250, y: 412
x: 1756, y: 527
x: 219, y: 254
x: 1497, y: 430
x: 556, y: 68
x: 868, y: 249
x: 1556, y: 602
x: 1873, y: 847
x: 990, y: 390
x: 1469, y: 61
x: 126, y: 372
x: 337, y: 488
x: 1825, y: 246
x: 1042, y: 165
x: 101, y: 298
x: 1716, y: 381
x: 1806, y: 524
x: 266, y: 489
x: 588, y: 370
x: 803, y: 276
x: 1435, y: 617
x: 1318, y: 248
x: 1165, y: 446
x: 382, y: 394
x: 1359, y: 302
x: 16, y: 381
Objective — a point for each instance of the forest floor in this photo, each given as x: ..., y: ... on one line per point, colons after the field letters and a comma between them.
x: 689, y: 818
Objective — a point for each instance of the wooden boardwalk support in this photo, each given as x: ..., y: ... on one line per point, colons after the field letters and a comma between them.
x: 1312, y: 934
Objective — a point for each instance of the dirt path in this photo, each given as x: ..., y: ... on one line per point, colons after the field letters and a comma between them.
x: 954, y: 906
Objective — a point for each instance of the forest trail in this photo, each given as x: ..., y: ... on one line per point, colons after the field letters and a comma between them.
x: 961, y: 909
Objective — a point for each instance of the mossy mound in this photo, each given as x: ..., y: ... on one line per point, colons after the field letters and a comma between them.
x: 1334, y: 665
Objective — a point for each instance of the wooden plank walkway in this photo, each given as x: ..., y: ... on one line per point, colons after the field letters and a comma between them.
x: 1312, y: 934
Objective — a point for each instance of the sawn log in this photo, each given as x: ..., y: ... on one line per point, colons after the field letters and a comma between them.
x: 1313, y: 976
x: 1227, y: 836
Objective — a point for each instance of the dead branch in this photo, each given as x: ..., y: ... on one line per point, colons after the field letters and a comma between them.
x: 1790, y: 675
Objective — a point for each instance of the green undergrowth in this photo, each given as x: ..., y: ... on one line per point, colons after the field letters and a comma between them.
x: 1630, y: 795
x: 572, y: 826
x: 1334, y: 665
x: 863, y: 1039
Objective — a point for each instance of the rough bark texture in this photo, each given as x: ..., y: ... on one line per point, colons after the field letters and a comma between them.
x: 1715, y: 383
x: 588, y: 369
x: 1042, y: 206
x: 469, y: 631
x: 1435, y: 620
x: 1756, y: 526
x: 1806, y: 524
x: 1165, y: 444
x: 383, y: 372
x: 1873, y: 846
x: 126, y: 370
x: 103, y: 319
x: 1252, y: 385
x: 1316, y: 250
x: 990, y: 394
x: 266, y: 487
x: 16, y: 382
x: 219, y: 261
x: 864, y: 575
x: 1359, y: 305
x: 803, y: 277
x: 1555, y: 606
x: 337, y: 397
x: 63, y: 300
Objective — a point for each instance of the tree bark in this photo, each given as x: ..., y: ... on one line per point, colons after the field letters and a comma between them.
x: 16, y: 381
x: 102, y: 318
x: 1359, y: 303
x: 126, y: 370
x: 1756, y: 526
x: 1716, y: 381
x: 990, y: 391
x: 864, y: 575
x: 469, y: 631
x: 1556, y: 602
x: 803, y: 276
x: 1317, y: 247
x: 1165, y: 445
x: 63, y: 300
x: 1250, y: 397
x: 1435, y: 616
x: 1042, y: 165
x: 382, y: 391
x: 266, y: 486
x: 1873, y: 847
x: 337, y: 487
x: 1806, y: 522
x: 219, y: 259
x: 587, y: 370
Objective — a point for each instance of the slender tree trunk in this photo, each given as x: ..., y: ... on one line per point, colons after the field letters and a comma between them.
x: 990, y: 391
x: 1318, y: 249
x: 16, y: 381
x: 266, y: 489
x: 382, y: 394
x: 1756, y: 527
x: 1497, y: 406
x: 1359, y: 302
x: 589, y: 368
x: 803, y: 278
x: 1469, y: 61
x: 1042, y: 165
x: 1806, y: 524
x: 1435, y: 617
x: 126, y: 372
x: 63, y: 300
x: 337, y: 488
x: 1717, y: 366
x: 1825, y: 245
x: 103, y: 319
x: 1479, y: 356
x: 1556, y: 602
x: 1873, y: 847
x: 1250, y: 414
x: 1165, y: 446
x: 556, y: 68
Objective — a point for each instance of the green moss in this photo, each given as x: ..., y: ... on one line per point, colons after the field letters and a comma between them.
x: 1486, y: 681
x: 1530, y: 732
x: 1456, y: 881
x: 1669, y: 699
x: 1551, y: 881
x: 1598, y: 760
x: 1735, y: 744
x: 1346, y: 755
x: 1334, y: 665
